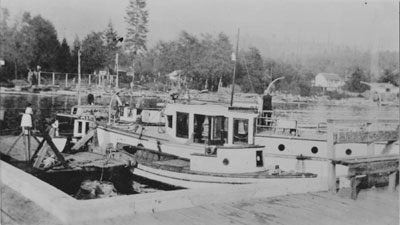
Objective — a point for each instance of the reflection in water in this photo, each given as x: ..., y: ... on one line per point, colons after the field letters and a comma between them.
x: 12, y: 106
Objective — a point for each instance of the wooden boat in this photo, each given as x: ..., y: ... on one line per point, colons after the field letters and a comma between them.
x: 66, y: 120
x: 225, y: 166
x: 287, y: 139
x: 199, y: 145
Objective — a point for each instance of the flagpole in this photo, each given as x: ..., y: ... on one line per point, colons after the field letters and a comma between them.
x: 234, y: 68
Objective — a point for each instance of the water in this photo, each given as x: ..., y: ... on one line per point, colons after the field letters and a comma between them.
x: 48, y: 106
x: 316, y: 113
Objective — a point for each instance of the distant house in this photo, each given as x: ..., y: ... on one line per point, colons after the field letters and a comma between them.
x: 329, y: 81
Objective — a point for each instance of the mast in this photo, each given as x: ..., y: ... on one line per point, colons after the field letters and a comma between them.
x: 234, y: 68
x: 79, y: 76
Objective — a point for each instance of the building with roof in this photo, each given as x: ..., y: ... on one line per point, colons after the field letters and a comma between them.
x: 329, y: 81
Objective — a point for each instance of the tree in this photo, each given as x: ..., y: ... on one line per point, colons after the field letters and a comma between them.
x: 354, y: 84
x: 137, y: 19
x: 389, y: 77
x: 253, y: 77
x: 42, y: 35
x: 93, y: 53
x: 110, y: 37
x: 63, y: 58
x: 214, y: 61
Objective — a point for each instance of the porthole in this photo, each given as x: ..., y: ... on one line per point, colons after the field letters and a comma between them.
x: 281, y: 147
x: 348, y: 151
x: 314, y: 150
x: 225, y: 162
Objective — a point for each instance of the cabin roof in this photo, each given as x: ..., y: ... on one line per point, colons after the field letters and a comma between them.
x: 208, y: 110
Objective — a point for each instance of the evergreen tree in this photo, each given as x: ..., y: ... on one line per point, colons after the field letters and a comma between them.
x: 137, y: 19
x: 353, y: 84
x: 64, y: 58
x: 110, y: 37
x: 389, y: 77
x: 93, y: 53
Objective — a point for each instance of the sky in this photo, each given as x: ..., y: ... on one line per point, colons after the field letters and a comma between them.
x: 365, y: 24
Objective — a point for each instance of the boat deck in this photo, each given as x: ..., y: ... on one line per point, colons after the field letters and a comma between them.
x: 373, y: 207
x: 78, y: 161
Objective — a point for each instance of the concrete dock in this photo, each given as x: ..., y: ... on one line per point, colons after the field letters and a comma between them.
x: 374, y: 206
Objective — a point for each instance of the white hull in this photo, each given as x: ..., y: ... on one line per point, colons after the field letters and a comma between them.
x: 193, y: 181
x: 273, y: 156
x: 316, y: 151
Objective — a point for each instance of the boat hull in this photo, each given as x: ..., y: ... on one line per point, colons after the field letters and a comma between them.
x: 193, y: 180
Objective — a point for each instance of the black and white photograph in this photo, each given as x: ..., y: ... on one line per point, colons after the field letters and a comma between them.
x: 178, y: 112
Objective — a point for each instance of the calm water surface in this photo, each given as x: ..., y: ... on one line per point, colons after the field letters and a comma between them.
x: 11, y: 107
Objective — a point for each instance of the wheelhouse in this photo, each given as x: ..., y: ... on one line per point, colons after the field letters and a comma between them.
x: 211, y: 125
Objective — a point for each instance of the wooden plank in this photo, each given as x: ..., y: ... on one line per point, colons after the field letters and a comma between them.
x: 392, y: 181
x: 365, y: 136
x: 331, y: 154
x: 373, y: 167
x: 83, y: 140
x: 364, y: 159
x: 347, y: 121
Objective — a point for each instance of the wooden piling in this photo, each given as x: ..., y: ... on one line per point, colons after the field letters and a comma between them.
x: 392, y: 181
x: 331, y: 156
x: 29, y: 144
x: 66, y: 80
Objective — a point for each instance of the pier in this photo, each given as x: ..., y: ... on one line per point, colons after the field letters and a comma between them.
x: 365, y: 165
x: 300, y: 203
x: 372, y: 207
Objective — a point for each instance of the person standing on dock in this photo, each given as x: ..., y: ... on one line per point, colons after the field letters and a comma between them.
x: 26, y: 120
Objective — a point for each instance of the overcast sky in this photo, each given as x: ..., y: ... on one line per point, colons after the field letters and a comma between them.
x: 360, y: 23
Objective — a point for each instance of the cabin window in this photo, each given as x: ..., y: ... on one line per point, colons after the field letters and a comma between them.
x: 86, y: 127
x: 201, y: 128
x: 80, y: 127
x: 240, y: 131
x: 219, y: 131
x: 182, y: 125
x: 169, y: 118
x: 210, y: 129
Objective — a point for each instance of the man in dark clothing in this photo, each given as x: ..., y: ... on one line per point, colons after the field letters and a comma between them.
x: 267, y: 106
x: 90, y: 99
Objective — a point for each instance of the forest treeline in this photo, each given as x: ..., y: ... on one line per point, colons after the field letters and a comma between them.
x: 33, y: 40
